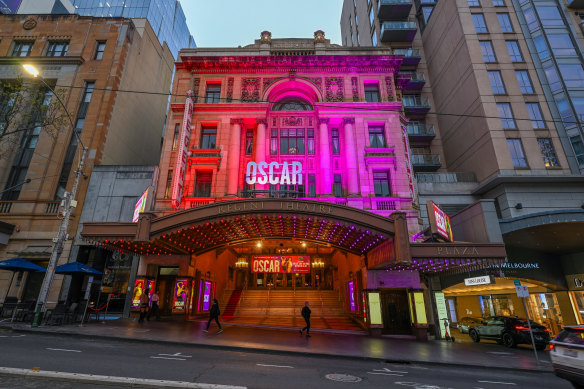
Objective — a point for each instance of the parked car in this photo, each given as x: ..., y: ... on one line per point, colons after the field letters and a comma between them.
x: 567, y: 355
x: 465, y: 323
x: 510, y: 331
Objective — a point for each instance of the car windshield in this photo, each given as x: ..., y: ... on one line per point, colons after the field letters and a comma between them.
x: 572, y: 335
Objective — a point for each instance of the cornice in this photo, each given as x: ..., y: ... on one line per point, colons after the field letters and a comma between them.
x: 77, y: 60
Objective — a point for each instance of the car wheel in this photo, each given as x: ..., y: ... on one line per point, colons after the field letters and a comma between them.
x: 508, y: 340
x: 540, y: 346
x: 474, y: 336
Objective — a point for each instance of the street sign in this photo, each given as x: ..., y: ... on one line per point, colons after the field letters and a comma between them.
x: 482, y: 280
x: 517, y: 282
x: 522, y: 291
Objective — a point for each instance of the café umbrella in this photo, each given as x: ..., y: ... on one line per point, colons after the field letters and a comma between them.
x: 18, y: 264
x: 73, y: 268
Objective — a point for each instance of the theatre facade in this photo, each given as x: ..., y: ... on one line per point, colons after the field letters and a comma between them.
x: 285, y: 177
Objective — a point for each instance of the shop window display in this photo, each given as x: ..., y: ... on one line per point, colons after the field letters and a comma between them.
x: 544, y: 309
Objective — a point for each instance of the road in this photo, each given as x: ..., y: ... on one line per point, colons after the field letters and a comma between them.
x: 252, y: 370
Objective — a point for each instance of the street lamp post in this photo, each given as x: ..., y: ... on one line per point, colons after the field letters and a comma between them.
x: 69, y: 203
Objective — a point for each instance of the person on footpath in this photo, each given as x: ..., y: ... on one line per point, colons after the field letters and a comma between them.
x: 154, y: 309
x: 144, y: 303
x: 306, y: 315
x: 214, y: 314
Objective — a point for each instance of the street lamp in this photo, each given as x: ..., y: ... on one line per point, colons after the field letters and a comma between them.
x: 68, y: 203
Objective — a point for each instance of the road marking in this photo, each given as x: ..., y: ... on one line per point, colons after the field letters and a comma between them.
x: 500, y: 383
x: 386, y: 370
x: 11, y: 336
x: 62, y: 349
x: 287, y: 367
x: 499, y: 353
x: 176, y: 359
x: 177, y: 355
x: 372, y: 372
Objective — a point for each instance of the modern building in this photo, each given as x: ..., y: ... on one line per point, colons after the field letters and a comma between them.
x: 288, y: 179
x: 505, y: 90
x: 99, y: 69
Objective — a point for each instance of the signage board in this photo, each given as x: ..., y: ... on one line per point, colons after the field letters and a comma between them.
x: 522, y: 291
x: 409, y: 166
x: 182, y: 153
x: 575, y: 281
x: 375, y: 308
x: 140, y: 206
x: 206, y: 295
x: 351, y: 296
x: 420, y: 307
x: 280, y: 264
x: 439, y: 221
x: 441, y: 311
x: 273, y: 173
x: 140, y: 286
x: 482, y: 280
x: 516, y: 282
x: 180, y: 295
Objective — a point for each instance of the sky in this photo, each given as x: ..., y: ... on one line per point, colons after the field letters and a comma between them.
x: 231, y: 23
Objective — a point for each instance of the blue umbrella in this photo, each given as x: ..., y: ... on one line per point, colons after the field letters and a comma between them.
x: 72, y: 268
x: 18, y: 264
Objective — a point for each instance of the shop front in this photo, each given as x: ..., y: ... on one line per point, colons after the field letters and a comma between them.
x: 576, y: 291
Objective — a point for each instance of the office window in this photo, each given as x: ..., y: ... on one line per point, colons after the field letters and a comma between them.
x: 498, y: 3
x: 176, y: 134
x: 517, y: 154
x: 358, y: 39
x: 374, y: 37
x: 561, y: 44
x: 372, y: 92
x: 524, y: 81
x: 99, y: 49
x: 488, y: 52
x: 505, y: 22
x: 514, y: 51
x: 573, y: 75
x: 549, y: 15
x: 506, y: 116
x: 274, y: 142
x: 535, y: 115
x: 208, y: 138
x: 371, y: 17
x: 566, y: 112
x: 381, y: 183
x: 57, y: 48
x: 292, y: 142
x: 249, y: 142
x: 311, y: 185
x: 553, y: 78
x: 479, y: 23
x: 168, y: 189
x: 310, y: 141
x: 337, y: 185
x: 578, y: 147
x: 213, y: 93
x: 22, y: 48
x: 474, y: 3
x: 550, y: 159
x: 202, y: 187
x: 530, y: 17
x: 376, y: 136
x: 335, y: 141
x: 497, y: 82
x: 541, y: 47
x: 578, y: 104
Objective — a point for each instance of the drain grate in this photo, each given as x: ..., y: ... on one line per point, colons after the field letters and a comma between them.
x: 342, y: 378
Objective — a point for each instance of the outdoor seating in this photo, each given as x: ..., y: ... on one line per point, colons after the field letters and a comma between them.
x: 8, y: 307
x: 25, y: 311
x: 56, y: 315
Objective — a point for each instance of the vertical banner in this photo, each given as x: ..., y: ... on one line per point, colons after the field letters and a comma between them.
x: 180, y: 295
x: 207, y: 296
x: 351, y: 296
x: 182, y: 153
x: 409, y: 166
x: 441, y: 311
x: 420, y: 308
x: 375, y: 308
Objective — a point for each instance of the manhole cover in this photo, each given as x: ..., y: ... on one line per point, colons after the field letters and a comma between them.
x: 342, y: 378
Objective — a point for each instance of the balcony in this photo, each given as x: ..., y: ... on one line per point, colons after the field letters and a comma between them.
x: 398, y: 31
x: 420, y: 133
x: 412, y: 57
x: 205, y: 157
x: 426, y: 162
x: 416, y: 105
x: 394, y: 9
x: 416, y: 81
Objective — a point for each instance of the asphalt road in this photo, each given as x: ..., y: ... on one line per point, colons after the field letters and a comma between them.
x: 252, y: 370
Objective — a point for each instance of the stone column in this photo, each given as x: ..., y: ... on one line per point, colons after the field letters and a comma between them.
x: 324, y: 154
x: 233, y: 158
x: 350, y: 152
x: 260, y: 146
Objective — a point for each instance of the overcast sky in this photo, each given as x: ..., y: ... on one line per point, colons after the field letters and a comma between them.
x: 231, y: 23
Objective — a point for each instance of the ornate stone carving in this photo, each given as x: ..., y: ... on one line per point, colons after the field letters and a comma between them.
x: 274, y: 122
x: 266, y: 37
x: 319, y: 36
x: 250, y: 89
x: 355, y: 89
x: 323, y: 120
x: 262, y: 121
x: 389, y: 86
x: 267, y: 82
x: 310, y: 122
x: 317, y: 81
x: 291, y: 121
x: 236, y: 121
x: 196, y: 83
x: 348, y: 120
x: 29, y: 24
x: 229, y: 89
x: 334, y: 89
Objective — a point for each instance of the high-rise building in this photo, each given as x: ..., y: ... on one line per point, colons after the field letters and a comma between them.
x: 165, y: 16
x: 507, y: 98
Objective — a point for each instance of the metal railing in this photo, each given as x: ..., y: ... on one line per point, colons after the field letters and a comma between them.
x: 421, y: 129
x: 408, y: 53
x: 426, y: 159
x: 446, y: 178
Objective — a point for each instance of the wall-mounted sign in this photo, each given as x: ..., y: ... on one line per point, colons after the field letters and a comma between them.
x: 206, y: 295
x: 522, y: 291
x: 182, y: 153
x: 575, y: 281
x: 280, y: 264
x: 351, y: 296
x: 180, y: 295
x: 482, y: 280
x: 439, y: 221
x: 140, y: 286
x: 375, y: 308
x: 273, y: 173
x: 140, y: 206
x: 441, y: 311
x: 409, y: 167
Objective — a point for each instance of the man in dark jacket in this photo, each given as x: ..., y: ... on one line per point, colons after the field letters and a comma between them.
x: 306, y: 315
x: 214, y: 314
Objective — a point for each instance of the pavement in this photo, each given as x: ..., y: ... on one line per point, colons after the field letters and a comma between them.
x: 288, y: 341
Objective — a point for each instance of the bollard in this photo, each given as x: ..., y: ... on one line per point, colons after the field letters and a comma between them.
x: 37, y: 315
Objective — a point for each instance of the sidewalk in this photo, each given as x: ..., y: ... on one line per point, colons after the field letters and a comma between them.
x: 288, y: 341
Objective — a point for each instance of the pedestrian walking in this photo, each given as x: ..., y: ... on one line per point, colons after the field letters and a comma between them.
x: 154, y: 309
x: 306, y: 315
x: 144, y: 303
x: 214, y: 314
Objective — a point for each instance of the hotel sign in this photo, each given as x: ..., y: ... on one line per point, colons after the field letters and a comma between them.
x: 483, y: 280
x: 439, y: 221
x: 182, y: 153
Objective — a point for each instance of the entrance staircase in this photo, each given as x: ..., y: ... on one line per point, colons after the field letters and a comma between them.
x: 232, y: 303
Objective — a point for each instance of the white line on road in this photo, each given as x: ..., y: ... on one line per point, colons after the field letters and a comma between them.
x: 386, y: 370
x: 11, y: 336
x: 500, y: 383
x: 287, y: 367
x: 177, y: 355
x: 372, y: 372
x: 62, y: 349
x: 176, y: 359
x: 499, y: 353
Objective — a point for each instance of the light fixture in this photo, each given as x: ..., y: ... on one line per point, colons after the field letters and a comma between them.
x: 241, y: 263
x: 31, y: 70
x: 303, y: 244
x: 317, y: 263
x: 518, y: 206
x: 259, y: 245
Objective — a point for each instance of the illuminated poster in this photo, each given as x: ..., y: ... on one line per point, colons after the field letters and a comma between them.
x: 420, y: 308
x: 439, y: 221
x: 375, y: 308
x: 207, y: 296
x: 351, y: 296
x: 139, y: 287
x: 280, y: 264
x: 140, y: 206
x: 180, y: 295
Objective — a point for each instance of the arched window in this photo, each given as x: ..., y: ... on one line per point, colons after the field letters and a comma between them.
x: 292, y: 104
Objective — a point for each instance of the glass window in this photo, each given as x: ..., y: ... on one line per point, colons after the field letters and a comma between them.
x: 99, y: 50
x: 524, y: 81
x: 566, y: 112
x: 553, y: 78
x: 474, y: 3
x: 517, y: 155
x: 292, y: 142
x: 208, y: 138
x: 335, y: 141
x: 578, y: 149
x: 506, y: 116
x: 374, y: 37
x: 372, y: 92
x: 505, y: 22
x: 311, y: 185
x: 381, y: 183
x: 337, y: 185
x: 310, y: 141
x: 376, y: 136
x: 561, y: 44
x: 175, y: 138
x: 213, y: 93
x: 371, y: 17
x: 578, y: 103
x: 168, y: 189
x: 550, y: 159
x: 549, y: 15
x: 535, y: 115
x: 541, y: 47
x: 497, y: 82
x: 479, y: 23
x: 57, y: 49
x: 488, y: 52
x: 249, y: 142
x: 573, y: 75
x: 498, y: 3
x: 202, y: 187
x: 514, y: 51
x: 531, y: 19
x: 292, y: 104
x: 22, y: 48
x: 274, y: 142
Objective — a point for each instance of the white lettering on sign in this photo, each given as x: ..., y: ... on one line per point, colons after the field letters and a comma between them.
x: 274, y: 173
x: 483, y: 280
x: 182, y: 154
